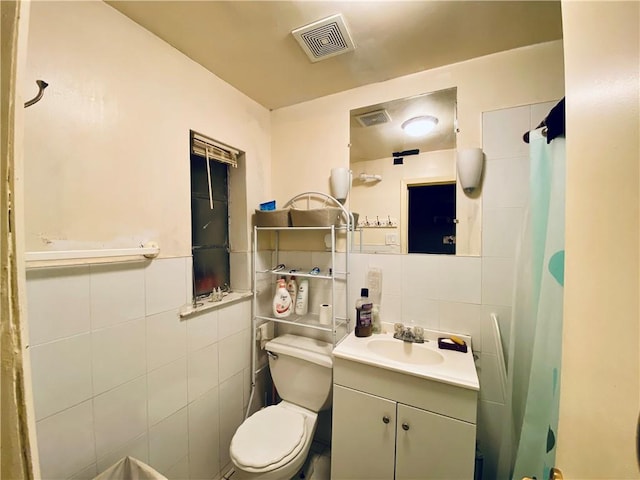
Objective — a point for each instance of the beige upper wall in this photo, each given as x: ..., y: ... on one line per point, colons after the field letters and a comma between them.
x: 310, y: 138
x: 106, y: 149
x: 600, y: 385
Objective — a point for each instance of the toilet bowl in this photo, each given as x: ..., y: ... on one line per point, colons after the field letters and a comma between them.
x: 273, y: 443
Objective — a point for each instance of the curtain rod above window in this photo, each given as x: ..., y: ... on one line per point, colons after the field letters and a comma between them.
x: 209, y: 148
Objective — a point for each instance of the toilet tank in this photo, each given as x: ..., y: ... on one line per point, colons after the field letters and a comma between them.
x: 302, y: 370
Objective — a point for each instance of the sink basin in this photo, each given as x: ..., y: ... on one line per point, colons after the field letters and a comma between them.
x: 398, y: 351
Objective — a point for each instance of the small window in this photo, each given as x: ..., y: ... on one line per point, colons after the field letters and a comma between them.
x: 432, y: 218
x: 210, y: 162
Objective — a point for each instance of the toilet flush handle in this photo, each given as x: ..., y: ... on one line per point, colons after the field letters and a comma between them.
x: 272, y: 355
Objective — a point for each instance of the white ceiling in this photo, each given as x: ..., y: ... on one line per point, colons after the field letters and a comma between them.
x: 249, y: 43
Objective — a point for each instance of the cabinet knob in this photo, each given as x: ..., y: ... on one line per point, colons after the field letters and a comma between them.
x: 405, y: 426
x: 386, y: 419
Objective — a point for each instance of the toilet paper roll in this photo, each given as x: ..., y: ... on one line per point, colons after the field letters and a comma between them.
x: 326, y: 314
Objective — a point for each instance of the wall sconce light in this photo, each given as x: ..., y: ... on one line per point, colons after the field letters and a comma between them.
x: 419, y: 126
x: 469, y: 163
x: 340, y: 183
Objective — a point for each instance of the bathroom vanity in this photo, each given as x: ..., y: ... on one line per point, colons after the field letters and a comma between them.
x: 403, y: 410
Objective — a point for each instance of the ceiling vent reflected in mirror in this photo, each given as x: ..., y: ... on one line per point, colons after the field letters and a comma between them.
x: 438, y: 109
x: 370, y: 119
x: 324, y: 38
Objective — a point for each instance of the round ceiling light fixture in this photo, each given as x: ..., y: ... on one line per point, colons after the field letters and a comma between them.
x: 419, y: 126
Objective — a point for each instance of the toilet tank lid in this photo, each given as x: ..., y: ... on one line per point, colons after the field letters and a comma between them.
x: 304, y: 348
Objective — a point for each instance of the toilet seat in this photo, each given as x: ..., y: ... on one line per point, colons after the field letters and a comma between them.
x: 268, y: 439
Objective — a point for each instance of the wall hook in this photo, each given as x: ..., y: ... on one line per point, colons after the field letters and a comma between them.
x: 41, y: 86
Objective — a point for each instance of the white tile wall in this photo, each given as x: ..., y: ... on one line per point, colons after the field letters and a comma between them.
x: 86, y: 474
x: 137, y: 448
x: 166, y: 339
x: 68, y: 290
x: 506, y: 182
x: 118, y: 354
x: 234, y: 319
x: 114, y: 374
x: 120, y: 415
x: 165, y: 285
x: 502, y: 132
x: 65, y: 441
x: 497, y: 280
x: 117, y: 294
x: 203, y: 366
x: 204, y: 436
x: 168, y: 441
x: 167, y: 390
x: 462, y: 318
x: 180, y: 469
x: 235, y: 354
x: 231, y: 402
x: 61, y: 374
x: 501, y: 229
x: 202, y: 329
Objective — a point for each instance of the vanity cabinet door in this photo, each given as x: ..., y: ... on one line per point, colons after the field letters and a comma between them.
x: 363, y: 439
x: 433, y: 446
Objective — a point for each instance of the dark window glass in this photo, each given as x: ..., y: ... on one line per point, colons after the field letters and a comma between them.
x: 209, y: 227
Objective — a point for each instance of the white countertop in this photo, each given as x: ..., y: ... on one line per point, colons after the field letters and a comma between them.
x: 455, y: 368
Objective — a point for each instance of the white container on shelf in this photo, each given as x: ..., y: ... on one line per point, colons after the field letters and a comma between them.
x: 282, y: 304
x: 302, y: 300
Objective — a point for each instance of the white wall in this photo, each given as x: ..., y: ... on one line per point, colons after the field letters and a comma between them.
x: 106, y: 150
x: 106, y: 164
x: 600, y: 382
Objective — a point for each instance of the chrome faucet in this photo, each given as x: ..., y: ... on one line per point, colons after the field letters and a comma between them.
x: 407, y: 334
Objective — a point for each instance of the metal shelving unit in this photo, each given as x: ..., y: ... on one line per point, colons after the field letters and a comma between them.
x: 310, y: 320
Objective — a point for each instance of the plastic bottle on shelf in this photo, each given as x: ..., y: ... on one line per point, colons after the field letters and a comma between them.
x: 282, y: 301
x: 292, y: 288
x: 302, y: 299
x: 363, y: 314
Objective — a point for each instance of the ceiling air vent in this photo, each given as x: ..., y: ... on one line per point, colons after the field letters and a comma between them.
x: 375, y: 117
x: 324, y: 38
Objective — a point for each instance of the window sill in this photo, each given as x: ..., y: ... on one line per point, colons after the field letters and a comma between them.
x: 232, y: 297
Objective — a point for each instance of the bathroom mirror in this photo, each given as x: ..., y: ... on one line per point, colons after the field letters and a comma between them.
x: 387, y: 159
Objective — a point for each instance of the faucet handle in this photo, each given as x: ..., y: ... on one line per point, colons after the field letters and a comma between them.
x: 419, y: 334
x: 398, y: 328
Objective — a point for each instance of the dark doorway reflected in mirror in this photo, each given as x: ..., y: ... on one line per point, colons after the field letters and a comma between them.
x: 432, y: 219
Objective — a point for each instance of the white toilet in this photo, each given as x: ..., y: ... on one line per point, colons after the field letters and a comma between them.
x: 273, y: 443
